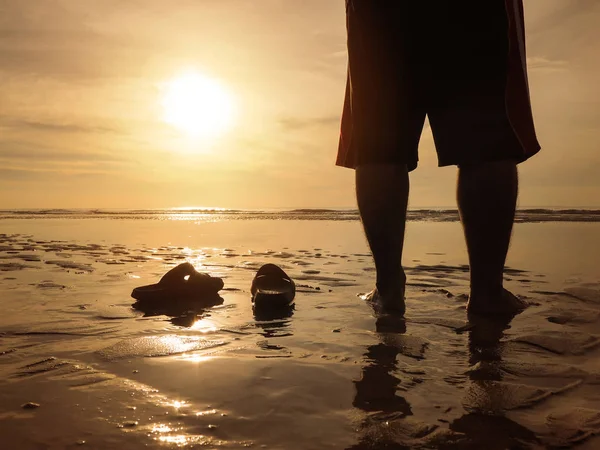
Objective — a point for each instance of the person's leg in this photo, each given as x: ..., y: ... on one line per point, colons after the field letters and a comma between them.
x: 384, y: 113
x: 382, y: 194
x: 480, y: 118
x: 487, y: 196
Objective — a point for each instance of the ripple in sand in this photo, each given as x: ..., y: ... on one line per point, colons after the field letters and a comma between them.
x: 573, y: 315
x: 550, y: 371
x: 119, y: 250
x: 111, y: 261
x: 75, y: 374
x: 138, y: 258
x: 157, y: 346
x: 112, y: 314
x: 284, y: 255
x: 72, y: 265
x: 302, y: 263
x: 50, y: 285
x: 306, y: 288
x: 496, y: 397
x: 323, y: 278
x: 11, y: 266
x: 75, y: 331
x: 511, y: 271
x: 42, y: 366
x: 28, y: 258
x: 397, y: 431
x: 584, y: 294
x: 572, y: 427
x: 439, y: 268
x: 454, y: 324
x: 562, y: 343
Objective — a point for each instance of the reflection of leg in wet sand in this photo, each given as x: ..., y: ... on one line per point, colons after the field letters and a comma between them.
x: 485, y: 335
x: 376, y: 390
x: 484, y: 425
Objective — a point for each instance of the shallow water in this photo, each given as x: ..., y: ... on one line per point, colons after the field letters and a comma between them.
x: 327, y: 375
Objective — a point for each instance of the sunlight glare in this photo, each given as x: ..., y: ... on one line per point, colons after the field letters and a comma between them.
x: 198, y: 105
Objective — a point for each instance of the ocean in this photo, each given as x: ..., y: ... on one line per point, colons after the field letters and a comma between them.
x: 211, y: 214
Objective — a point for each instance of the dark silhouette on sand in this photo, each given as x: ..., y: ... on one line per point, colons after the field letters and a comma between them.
x: 182, y: 293
x: 462, y: 64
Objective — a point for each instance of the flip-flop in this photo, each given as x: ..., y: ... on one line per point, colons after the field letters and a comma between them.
x: 180, y: 283
x: 272, y: 288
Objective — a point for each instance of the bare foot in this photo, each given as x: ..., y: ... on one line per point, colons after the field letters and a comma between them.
x: 507, y: 304
x: 391, y: 303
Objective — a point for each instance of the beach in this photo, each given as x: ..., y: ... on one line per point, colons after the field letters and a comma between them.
x: 81, y: 368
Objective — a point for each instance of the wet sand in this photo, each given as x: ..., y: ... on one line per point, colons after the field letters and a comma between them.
x: 327, y: 375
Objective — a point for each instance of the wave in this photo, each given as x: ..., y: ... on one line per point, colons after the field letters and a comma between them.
x: 199, y: 214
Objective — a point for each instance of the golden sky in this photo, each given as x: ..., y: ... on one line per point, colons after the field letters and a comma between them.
x: 81, y: 121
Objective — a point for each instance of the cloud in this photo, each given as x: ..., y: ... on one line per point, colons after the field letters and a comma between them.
x: 25, y: 175
x: 56, y: 39
x: 36, y: 157
x: 563, y: 30
x: 33, y: 125
x: 540, y: 63
x: 18, y: 175
x: 300, y: 123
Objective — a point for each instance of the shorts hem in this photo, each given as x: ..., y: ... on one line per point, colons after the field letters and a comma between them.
x: 517, y: 158
x: 410, y: 165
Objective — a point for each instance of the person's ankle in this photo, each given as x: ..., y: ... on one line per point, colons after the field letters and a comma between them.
x: 389, y: 301
x: 487, y: 291
x: 388, y: 290
x: 392, y: 283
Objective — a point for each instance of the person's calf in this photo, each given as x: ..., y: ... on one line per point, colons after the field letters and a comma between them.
x: 382, y: 195
x: 487, y: 195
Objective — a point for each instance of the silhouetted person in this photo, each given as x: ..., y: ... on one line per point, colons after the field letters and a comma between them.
x: 463, y: 65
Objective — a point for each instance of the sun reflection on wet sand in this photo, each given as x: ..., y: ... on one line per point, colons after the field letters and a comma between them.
x: 204, y: 326
x: 161, y: 434
x: 206, y: 413
x: 179, y: 439
x: 195, y: 358
x: 161, y: 428
x: 166, y: 434
x: 179, y: 404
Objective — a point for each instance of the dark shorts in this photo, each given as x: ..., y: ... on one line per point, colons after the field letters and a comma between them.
x: 461, y: 63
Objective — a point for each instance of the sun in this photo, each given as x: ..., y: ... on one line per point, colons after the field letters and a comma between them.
x: 198, y: 105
